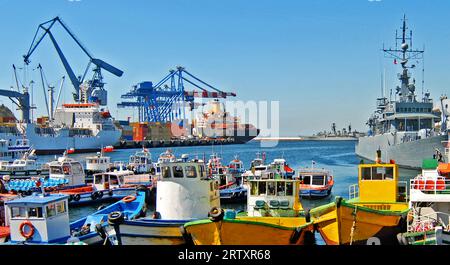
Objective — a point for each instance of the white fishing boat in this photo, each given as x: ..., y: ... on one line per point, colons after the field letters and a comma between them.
x: 98, y: 163
x: 184, y: 193
x: 141, y: 162
x: 67, y: 168
x: 24, y: 166
x: 429, y: 201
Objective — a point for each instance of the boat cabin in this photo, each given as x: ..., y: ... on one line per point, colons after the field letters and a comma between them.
x: 141, y: 162
x: 38, y: 218
x: 68, y: 169
x: 280, y: 166
x: 185, y: 191
x: 98, y: 163
x: 314, y: 177
x: 119, y: 179
x: 273, y: 197
x: 236, y: 166
x: 378, y: 182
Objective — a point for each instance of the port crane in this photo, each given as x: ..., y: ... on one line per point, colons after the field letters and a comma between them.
x: 166, y: 100
x: 92, y: 90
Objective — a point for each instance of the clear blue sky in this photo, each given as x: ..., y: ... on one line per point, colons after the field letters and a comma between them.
x: 320, y: 58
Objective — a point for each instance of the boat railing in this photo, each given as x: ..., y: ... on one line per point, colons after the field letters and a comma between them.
x: 353, y: 191
x: 427, y: 222
x: 438, y: 185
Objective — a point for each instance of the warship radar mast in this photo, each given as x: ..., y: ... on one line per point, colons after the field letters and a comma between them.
x: 404, y: 54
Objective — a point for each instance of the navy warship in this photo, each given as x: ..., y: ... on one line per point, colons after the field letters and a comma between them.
x: 406, y: 129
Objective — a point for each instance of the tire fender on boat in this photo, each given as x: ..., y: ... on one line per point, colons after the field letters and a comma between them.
x: 99, y: 194
x: 115, y: 218
x: 76, y: 197
x: 216, y: 214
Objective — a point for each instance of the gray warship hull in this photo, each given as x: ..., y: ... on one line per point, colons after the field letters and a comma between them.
x: 406, y: 154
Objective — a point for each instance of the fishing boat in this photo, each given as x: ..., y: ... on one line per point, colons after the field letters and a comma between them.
x: 98, y: 163
x: 184, y: 193
x: 44, y: 219
x: 315, y: 182
x: 275, y: 216
x: 108, y: 149
x: 236, y: 166
x: 141, y: 162
x: 281, y: 167
x: 164, y: 157
x: 429, y: 201
x: 375, y: 212
x: 24, y: 166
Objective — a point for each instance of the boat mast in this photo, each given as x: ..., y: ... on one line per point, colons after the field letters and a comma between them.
x: 407, y: 89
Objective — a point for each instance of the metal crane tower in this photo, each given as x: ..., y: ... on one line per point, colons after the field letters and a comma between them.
x: 93, y: 90
x: 166, y: 101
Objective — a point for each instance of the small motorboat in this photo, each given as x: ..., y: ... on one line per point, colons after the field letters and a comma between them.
x: 108, y: 149
x: 71, y: 151
x: 141, y: 162
x: 98, y: 163
x: 316, y: 182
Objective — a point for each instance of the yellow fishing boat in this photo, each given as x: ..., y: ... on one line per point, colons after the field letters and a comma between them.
x: 275, y: 217
x: 375, y: 212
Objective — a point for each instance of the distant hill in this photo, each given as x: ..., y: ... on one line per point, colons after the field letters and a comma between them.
x: 6, y: 112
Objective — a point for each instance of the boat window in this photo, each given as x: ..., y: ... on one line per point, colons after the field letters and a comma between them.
x: 271, y: 188
x: 254, y: 188
x: 262, y: 188
x: 113, y: 180
x: 66, y: 170
x: 281, y: 188
x: 177, y: 171
x: 77, y: 168
x: 318, y: 180
x: 366, y: 173
x: 389, y: 173
x: 121, y: 178
x: 378, y: 173
x: 307, y: 180
x: 18, y: 212
x: 191, y: 172
x: 56, y: 170
x: 289, y: 188
x: 166, y: 172
x: 98, y: 179
x: 61, y: 207
x: 202, y: 172
x: 35, y: 212
x: 51, y: 210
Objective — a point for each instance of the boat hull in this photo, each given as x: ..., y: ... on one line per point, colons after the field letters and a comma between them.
x: 432, y: 237
x: 251, y: 231
x: 406, y: 155
x: 152, y: 232
x: 346, y: 223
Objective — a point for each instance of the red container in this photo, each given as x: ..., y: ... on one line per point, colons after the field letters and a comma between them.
x: 140, y: 131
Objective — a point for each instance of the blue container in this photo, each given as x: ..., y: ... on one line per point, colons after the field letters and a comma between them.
x: 230, y: 214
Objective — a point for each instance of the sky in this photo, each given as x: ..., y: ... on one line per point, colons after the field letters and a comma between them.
x: 321, y: 59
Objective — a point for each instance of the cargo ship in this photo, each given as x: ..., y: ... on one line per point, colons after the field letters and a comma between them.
x: 82, y: 127
x: 406, y: 129
x: 215, y: 123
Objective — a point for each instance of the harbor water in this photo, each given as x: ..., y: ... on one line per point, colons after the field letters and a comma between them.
x: 337, y: 156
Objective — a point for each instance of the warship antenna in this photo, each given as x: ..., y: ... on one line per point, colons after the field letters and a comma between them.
x: 404, y: 54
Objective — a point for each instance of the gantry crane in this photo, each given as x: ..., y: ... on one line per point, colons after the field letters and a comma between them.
x: 163, y: 102
x: 93, y: 90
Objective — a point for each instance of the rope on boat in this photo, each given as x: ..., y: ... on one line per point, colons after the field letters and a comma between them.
x: 352, y: 232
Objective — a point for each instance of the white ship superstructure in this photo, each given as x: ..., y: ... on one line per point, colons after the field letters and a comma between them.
x: 83, y: 127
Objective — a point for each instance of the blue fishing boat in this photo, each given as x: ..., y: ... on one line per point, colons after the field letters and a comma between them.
x: 44, y: 219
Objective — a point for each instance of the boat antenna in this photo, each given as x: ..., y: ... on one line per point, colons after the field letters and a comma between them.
x: 404, y: 54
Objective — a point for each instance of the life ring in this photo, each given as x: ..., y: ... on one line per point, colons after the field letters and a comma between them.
x: 129, y: 198
x: 216, y: 214
x: 22, y: 229
x: 76, y: 197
